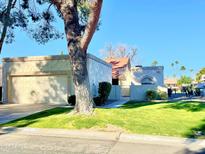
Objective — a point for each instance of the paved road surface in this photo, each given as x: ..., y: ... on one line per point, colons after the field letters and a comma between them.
x: 33, y: 144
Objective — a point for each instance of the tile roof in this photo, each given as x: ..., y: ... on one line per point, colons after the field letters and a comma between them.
x: 117, y: 64
x: 170, y: 81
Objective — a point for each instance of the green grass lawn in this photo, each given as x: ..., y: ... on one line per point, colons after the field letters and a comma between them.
x: 172, y: 119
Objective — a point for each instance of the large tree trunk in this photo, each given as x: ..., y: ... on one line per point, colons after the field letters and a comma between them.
x: 84, y: 102
x: 78, y: 58
x: 77, y: 46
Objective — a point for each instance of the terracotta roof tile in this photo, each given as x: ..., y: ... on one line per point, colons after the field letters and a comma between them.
x: 170, y: 81
x: 117, y: 63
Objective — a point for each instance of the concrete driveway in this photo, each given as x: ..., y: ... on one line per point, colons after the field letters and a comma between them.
x: 10, y: 112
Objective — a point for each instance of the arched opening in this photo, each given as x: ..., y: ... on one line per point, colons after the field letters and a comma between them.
x: 147, y: 80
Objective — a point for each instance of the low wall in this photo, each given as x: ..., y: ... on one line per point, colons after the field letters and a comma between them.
x: 203, y: 93
x: 138, y: 92
x: 125, y: 90
x: 99, y: 71
x: 115, y: 93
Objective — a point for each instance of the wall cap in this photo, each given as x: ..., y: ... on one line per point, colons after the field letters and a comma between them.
x: 52, y: 57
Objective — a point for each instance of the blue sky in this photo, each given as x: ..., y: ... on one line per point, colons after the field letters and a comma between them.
x: 162, y: 30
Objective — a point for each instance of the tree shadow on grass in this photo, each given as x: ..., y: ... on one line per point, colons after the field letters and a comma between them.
x: 197, y: 132
x: 26, y: 121
x: 187, y: 105
x: 135, y: 104
x: 187, y: 151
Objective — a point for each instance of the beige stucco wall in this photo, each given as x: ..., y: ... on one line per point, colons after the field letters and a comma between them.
x: 54, y: 71
x: 22, y: 77
x: 115, y: 93
x: 139, y: 92
x: 98, y: 71
x: 155, y: 72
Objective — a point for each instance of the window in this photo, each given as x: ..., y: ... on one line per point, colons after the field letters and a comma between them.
x: 115, y: 81
x: 147, y: 80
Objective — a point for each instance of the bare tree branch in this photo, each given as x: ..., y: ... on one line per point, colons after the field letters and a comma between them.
x: 92, y: 24
x: 57, y: 3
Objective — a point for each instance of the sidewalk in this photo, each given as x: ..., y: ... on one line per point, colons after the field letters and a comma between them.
x: 100, y: 135
x: 184, y: 98
x: 115, y: 104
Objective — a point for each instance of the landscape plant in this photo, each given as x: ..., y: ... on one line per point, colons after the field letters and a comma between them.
x: 151, y: 95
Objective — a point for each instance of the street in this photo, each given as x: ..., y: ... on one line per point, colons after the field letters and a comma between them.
x: 35, y: 144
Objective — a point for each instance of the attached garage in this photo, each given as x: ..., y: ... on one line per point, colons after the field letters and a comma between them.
x: 38, y: 89
x: 32, y: 80
x: 47, y: 79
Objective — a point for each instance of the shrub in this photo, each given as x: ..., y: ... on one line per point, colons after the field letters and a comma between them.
x: 98, y: 101
x: 151, y: 95
x: 104, y: 90
x: 162, y: 95
x: 72, y: 100
x: 197, y: 92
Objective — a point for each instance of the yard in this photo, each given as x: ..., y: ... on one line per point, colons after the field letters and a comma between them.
x: 184, y: 119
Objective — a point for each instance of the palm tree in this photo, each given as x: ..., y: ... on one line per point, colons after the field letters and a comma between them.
x: 154, y: 63
x: 182, y: 68
x: 174, y: 65
x: 176, y: 62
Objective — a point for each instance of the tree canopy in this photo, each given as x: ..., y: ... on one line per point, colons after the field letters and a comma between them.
x: 184, y: 80
x: 154, y: 63
x: 200, y: 73
x: 182, y: 68
x: 37, y: 18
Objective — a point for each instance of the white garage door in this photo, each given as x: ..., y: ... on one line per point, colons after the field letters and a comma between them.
x: 38, y: 89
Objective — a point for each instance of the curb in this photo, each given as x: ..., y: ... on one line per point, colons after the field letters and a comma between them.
x: 99, y: 135
x: 157, y: 139
x: 85, y: 134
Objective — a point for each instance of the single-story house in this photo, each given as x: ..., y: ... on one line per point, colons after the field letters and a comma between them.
x: 125, y: 76
x: 119, y: 67
x: 47, y: 79
x: 171, y: 83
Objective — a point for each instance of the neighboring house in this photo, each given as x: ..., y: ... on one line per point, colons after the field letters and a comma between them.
x: 125, y: 75
x: 119, y: 67
x: 47, y: 79
x: 171, y: 83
